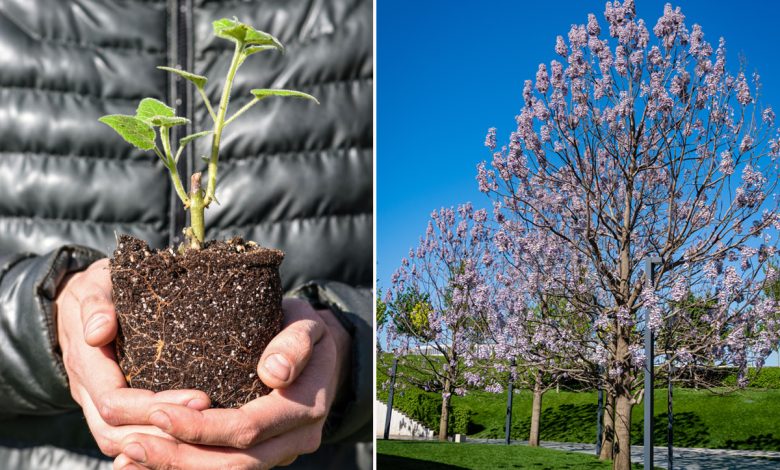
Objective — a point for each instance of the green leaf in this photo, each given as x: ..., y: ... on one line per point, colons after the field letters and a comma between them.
x: 189, y: 138
x: 237, y: 31
x: 198, y: 80
x: 165, y: 121
x: 150, y: 107
x: 134, y: 130
x: 261, y: 93
x: 249, y: 50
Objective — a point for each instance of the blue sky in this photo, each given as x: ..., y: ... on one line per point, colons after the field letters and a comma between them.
x: 447, y: 71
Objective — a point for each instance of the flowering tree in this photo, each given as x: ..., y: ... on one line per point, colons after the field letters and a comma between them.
x: 539, y: 328
x: 628, y: 147
x: 439, y: 284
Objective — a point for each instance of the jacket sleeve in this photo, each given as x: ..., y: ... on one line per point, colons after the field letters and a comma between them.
x: 350, y: 419
x: 32, y: 376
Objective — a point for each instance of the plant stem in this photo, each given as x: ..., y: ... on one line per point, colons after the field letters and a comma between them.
x: 219, y: 123
x: 241, y: 111
x: 197, y: 209
x: 170, y: 163
x: 178, y: 186
x: 208, y: 103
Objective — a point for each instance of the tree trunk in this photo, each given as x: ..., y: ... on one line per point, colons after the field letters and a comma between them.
x: 536, y: 412
x: 445, y: 411
x: 622, y: 455
x: 608, y: 428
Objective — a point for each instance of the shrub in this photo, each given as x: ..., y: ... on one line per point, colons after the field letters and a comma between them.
x: 460, y: 421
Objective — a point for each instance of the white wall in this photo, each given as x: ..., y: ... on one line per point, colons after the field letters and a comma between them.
x: 400, y: 425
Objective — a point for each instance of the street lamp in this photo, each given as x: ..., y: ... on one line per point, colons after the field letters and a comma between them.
x: 508, y: 423
x: 389, y: 414
x: 650, y: 265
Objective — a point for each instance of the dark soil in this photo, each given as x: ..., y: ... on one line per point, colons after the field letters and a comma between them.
x: 198, y: 319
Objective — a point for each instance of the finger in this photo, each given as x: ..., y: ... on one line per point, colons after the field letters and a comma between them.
x: 160, y: 453
x: 289, y: 352
x: 132, y: 406
x: 97, y: 311
x: 107, y: 437
x: 123, y: 462
x: 306, y: 402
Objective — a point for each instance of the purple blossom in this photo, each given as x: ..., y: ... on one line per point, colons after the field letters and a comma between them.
x: 578, y: 37
x: 746, y: 144
x: 557, y: 75
x: 671, y: 27
x: 768, y: 116
x: 621, y: 64
x: 743, y: 91
x: 655, y: 57
x: 542, y: 80
x: 726, y: 163
x: 560, y: 47
x: 490, y: 139
x: 593, y: 25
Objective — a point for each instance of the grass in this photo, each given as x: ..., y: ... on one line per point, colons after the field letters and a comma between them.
x: 748, y: 419
x: 416, y: 455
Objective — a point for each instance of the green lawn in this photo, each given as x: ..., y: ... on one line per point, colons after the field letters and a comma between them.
x: 416, y: 455
x: 748, y: 419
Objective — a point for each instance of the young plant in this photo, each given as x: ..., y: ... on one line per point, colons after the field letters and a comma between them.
x: 153, y: 116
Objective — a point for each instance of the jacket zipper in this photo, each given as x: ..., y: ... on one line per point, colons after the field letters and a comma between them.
x: 180, y: 54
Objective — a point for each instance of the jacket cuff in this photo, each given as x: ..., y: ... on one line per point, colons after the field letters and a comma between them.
x: 32, y: 375
x: 350, y: 419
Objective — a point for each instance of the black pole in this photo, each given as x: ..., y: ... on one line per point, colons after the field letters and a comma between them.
x: 599, y: 421
x: 650, y: 264
x: 670, y: 424
x: 389, y: 414
x: 508, y: 423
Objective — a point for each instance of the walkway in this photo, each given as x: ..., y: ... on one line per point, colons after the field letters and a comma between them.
x: 690, y: 459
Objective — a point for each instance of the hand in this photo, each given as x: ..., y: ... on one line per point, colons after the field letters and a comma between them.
x: 86, y: 325
x: 305, y: 365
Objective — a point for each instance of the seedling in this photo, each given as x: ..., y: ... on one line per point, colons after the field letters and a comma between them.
x: 154, y: 119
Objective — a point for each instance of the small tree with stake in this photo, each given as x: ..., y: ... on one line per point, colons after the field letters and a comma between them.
x: 437, y: 288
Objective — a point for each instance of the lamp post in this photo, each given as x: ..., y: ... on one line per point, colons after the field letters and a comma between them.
x: 650, y: 264
x: 508, y: 423
x: 669, y: 401
x: 389, y: 414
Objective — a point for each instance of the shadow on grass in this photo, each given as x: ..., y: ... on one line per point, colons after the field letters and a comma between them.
x: 689, y: 430
x: 758, y: 442
x: 565, y: 423
x: 392, y: 461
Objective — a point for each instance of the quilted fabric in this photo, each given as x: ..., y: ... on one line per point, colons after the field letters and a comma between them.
x: 293, y: 175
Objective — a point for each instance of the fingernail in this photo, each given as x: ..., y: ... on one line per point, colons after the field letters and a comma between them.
x: 197, y: 404
x: 96, y: 322
x: 160, y: 419
x: 135, y: 451
x: 278, y: 366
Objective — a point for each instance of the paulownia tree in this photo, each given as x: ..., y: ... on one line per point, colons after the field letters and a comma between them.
x: 631, y: 145
x: 432, y: 324
x: 539, y: 328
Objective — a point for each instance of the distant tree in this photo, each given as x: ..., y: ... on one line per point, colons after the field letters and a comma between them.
x: 381, y: 310
x: 431, y: 314
x: 629, y: 148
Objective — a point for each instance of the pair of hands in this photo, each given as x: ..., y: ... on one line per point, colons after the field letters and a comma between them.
x: 305, y: 365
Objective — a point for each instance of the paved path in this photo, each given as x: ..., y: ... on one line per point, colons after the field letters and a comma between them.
x: 684, y: 458
x: 689, y: 459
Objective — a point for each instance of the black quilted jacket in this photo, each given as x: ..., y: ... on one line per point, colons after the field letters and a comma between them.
x: 293, y: 175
